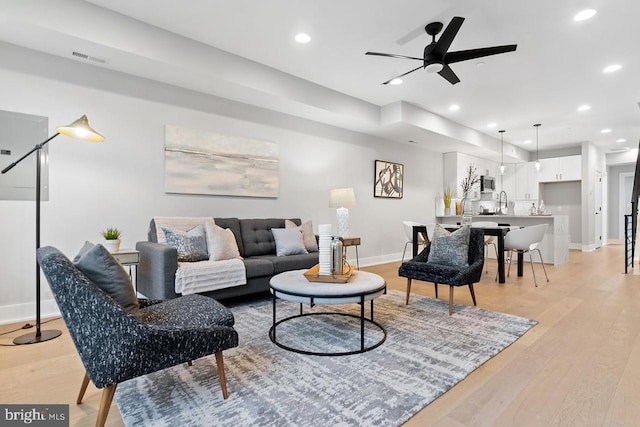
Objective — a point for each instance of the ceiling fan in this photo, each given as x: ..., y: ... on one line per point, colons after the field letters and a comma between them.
x: 436, y: 59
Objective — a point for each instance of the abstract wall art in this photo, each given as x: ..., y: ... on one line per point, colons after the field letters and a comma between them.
x: 202, y: 162
x: 388, y: 179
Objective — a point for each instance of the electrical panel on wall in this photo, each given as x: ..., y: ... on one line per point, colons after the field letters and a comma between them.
x: 20, y: 133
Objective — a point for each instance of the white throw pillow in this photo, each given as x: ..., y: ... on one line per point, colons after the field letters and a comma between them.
x: 221, y: 242
x: 308, y: 236
x: 288, y: 241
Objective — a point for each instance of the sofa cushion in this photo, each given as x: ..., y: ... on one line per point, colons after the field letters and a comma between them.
x: 156, y: 234
x: 221, y: 243
x: 288, y: 241
x: 308, y: 236
x: 232, y: 224
x: 291, y: 262
x: 191, y: 245
x: 257, y: 238
x: 258, y: 267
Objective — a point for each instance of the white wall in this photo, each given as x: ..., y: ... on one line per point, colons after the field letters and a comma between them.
x: 120, y: 181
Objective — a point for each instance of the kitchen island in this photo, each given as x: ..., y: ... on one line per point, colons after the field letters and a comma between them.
x: 555, y: 244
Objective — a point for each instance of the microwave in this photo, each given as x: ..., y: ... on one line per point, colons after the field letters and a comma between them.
x: 487, y: 184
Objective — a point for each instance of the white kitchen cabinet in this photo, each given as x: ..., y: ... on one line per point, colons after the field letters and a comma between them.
x: 556, y: 169
x: 526, y: 182
x: 507, y: 182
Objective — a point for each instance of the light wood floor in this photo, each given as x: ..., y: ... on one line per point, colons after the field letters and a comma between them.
x: 580, y: 366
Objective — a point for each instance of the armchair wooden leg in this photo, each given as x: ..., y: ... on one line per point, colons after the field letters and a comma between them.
x: 435, y: 285
x: 473, y: 294
x: 450, y: 300
x: 221, y: 376
x: 408, y: 291
x: 190, y: 363
x: 83, y: 388
x: 105, y: 404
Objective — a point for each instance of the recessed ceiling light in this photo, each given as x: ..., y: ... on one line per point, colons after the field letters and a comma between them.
x: 303, y: 38
x: 605, y: 130
x: 621, y: 140
x: 584, y: 107
x: 479, y: 63
x: 612, y: 68
x: 491, y: 125
x: 584, y: 15
x: 396, y: 81
x: 454, y: 107
x: 527, y: 141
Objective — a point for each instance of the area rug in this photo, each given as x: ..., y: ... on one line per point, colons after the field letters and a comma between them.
x: 425, y: 354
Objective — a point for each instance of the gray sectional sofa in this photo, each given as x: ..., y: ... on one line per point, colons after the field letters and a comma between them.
x: 159, y: 262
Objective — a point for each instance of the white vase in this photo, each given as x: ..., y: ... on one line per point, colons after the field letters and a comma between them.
x: 111, y: 245
x: 447, y: 211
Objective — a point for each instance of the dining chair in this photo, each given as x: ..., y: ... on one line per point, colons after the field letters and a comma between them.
x: 488, y: 240
x: 526, y: 240
x: 408, y: 231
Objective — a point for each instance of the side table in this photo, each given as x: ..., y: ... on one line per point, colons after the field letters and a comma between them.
x: 129, y: 258
x: 351, y: 241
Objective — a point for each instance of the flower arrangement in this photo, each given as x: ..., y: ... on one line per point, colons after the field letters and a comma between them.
x: 469, y: 181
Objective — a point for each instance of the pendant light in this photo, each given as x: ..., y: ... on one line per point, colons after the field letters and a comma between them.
x: 502, y: 167
x: 537, y: 165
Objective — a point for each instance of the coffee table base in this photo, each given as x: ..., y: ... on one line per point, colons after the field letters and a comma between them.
x: 363, y: 349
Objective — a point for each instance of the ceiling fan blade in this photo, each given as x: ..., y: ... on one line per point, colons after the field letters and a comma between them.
x: 448, y: 74
x: 445, y: 40
x: 393, y: 55
x: 402, y: 75
x: 464, y: 55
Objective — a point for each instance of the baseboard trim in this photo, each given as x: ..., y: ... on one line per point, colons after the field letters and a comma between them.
x: 27, y: 312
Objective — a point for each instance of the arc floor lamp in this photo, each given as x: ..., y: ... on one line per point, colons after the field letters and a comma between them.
x: 79, y: 129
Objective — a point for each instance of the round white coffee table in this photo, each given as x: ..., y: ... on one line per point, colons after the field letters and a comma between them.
x: 293, y: 286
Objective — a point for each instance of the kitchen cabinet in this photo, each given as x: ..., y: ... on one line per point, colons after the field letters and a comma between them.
x: 526, y: 187
x: 557, y: 169
x: 507, y: 182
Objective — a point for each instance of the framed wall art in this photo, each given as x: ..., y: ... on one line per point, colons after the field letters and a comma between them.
x: 200, y: 162
x: 388, y: 178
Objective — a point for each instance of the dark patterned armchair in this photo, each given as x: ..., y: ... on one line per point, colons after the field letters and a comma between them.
x: 115, y: 346
x: 418, y: 268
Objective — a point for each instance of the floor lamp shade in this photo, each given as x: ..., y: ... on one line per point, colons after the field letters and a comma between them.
x: 342, y: 199
x: 79, y: 129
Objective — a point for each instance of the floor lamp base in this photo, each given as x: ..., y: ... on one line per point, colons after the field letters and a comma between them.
x: 33, y: 339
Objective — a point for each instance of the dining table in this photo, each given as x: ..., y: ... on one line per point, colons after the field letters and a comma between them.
x: 498, y: 231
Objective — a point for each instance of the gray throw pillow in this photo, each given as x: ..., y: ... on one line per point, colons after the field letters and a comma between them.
x: 83, y: 250
x: 288, y: 241
x: 450, y: 249
x: 191, y: 245
x: 105, y: 272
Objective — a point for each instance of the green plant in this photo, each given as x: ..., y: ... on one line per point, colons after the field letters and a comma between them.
x: 111, y: 233
x: 447, y: 197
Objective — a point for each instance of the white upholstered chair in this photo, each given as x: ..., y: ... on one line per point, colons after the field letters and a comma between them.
x: 408, y: 231
x: 526, y: 240
x: 488, y: 240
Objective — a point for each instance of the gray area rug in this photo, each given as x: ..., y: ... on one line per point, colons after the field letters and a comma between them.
x: 425, y: 354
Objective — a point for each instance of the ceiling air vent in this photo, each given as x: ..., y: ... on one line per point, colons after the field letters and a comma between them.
x: 89, y: 57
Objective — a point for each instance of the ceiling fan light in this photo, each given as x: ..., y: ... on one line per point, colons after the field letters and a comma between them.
x: 435, y: 67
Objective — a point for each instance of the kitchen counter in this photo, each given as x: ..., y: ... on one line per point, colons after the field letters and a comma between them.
x: 555, y: 244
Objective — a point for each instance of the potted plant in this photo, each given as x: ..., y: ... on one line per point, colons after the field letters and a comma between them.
x: 447, y: 201
x: 111, y: 239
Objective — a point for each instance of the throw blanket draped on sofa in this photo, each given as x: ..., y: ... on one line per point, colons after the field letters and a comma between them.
x: 203, y: 276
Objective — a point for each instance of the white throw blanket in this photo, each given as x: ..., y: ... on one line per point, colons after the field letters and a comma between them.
x: 203, y: 276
